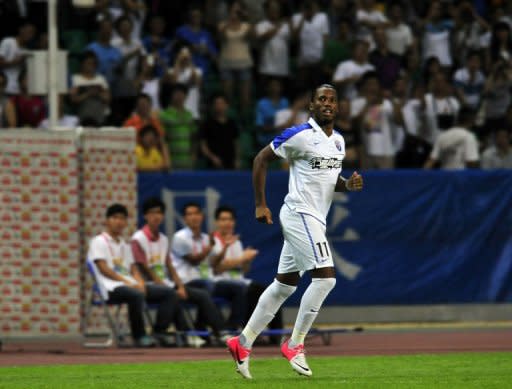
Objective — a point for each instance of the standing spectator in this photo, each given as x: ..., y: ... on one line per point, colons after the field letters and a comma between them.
x: 204, y: 51
x: 30, y: 109
x: 311, y: 29
x: 387, y: 64
x: 7, y: 109
x: 470, y: 32
x: 340, y: 11
x: 235, y: 61
x: 349, y: 72
x: 125, y: 88
x: 273, y: 34
x: 13, y: 53
x: 437, y: 34
x: 376, y: 119
x: 90, y: 93
x: 368, y: 17
x: 338, y: 48
x: 499, y: 155
x: 266, y: 109
x: 109, y: 57
x: 218, y: 137
x: 399, y: 35
x: 441, y: 107
x: 149, y: 83
x: 180, y: 129
x: 158, y: 47
x: 501, y: 44
x: 457, y: 147
x: 148, y: 155
x: 469, y: 81
x: 351, y: 134
x: 185, y: 72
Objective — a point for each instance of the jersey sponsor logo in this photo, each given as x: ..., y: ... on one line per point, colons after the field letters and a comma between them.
x: 338, y: 145
x: 325, y: 163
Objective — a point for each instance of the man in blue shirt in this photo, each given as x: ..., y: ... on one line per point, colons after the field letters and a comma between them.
x: 266, y: 109
x: 109, y: 57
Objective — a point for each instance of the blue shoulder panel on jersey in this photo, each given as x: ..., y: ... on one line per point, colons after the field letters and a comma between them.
x: 288, y: 133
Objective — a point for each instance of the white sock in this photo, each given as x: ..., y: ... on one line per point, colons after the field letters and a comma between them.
x: 268, y: 304
x: 310, y: 304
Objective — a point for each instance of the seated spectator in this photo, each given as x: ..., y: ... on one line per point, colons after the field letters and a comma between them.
x: 499, y: 155
x: 191, y: 248
x: 376, y: 118
x: 30, y: 109
x: 125, y: 87
x: 90, y: 93
x: 204, y: 51
x: 108, y: 57
x: 469, y: 81
x: 235, y: 60
x: 338, y: 49
x: 273, y: 33
x: 311, y: 29
x: 158, y: 47
x: 185, y: 72
x: 7, y: 109
x: 266, y: 109
x: 13, y: 54
x: 349, y: 72
x: 399, y: 35
x: 151, y: 252
x: 231, y: 261
x: 218, y: 137
x: 437, y: 34
x: 119, y: 280
x: 148, y: 155
x: 457, y: 147
x: 386, y: 64
x: 180, y: 129
x: 441, y: 107
x: 64, y: 121
x: 297, y: 114
x: 353, y: 144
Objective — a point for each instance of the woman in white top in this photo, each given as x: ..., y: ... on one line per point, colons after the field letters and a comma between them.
x: 235, y: 61
x: 185, y: 72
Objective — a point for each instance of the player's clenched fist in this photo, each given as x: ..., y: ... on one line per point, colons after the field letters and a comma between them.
x: 355, y: 182
x: 263, y: 215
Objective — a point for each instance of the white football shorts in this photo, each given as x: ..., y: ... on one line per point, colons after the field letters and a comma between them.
x: 305, y: 243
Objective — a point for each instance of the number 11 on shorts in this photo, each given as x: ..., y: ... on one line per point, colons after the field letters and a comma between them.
x: 321, y: 249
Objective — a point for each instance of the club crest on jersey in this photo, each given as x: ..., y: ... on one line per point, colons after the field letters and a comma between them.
x: 338, y: 144
x: 325, y: 163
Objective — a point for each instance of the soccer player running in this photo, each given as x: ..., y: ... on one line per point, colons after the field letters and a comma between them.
x: 314, y: 151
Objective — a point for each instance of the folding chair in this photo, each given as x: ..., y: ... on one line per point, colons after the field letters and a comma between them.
x: 115, y: 336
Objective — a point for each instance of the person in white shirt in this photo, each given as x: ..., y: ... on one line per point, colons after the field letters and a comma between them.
x: 314, y: 151
x: 13, y: 53
x: 368, y: 17
x: 119, y: 280
x: 274, y: 36
x: 499, y: 155
x: 399, y: 34
x: 231, y: 261
x: 190, y: 252
x: 469, y: 81
x: 457, y: 147
x: 311, y: 28
x: 151, y: 252
x: 376, y: 117
x: 349, y: 72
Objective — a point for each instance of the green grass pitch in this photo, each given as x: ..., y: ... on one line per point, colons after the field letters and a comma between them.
x: 470, y: 370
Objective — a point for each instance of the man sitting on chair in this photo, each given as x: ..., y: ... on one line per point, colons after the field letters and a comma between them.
x: 119, y: 280
x: 151, y: 252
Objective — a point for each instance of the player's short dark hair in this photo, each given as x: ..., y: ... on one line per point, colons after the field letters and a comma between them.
x: 224, y: 208
x: 326, y: 86
x: 152, y: 202
x: 116, y: 209
x: 148, y: 129
x: 188, y: 205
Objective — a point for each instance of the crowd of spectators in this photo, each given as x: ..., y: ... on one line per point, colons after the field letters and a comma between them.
x: 207, y: 83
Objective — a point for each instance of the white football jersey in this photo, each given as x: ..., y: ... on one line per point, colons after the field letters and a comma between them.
x: 315, y: 164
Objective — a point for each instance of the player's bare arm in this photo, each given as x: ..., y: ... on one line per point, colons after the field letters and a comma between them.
x: 352, y: 184
x: 259, y: 177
